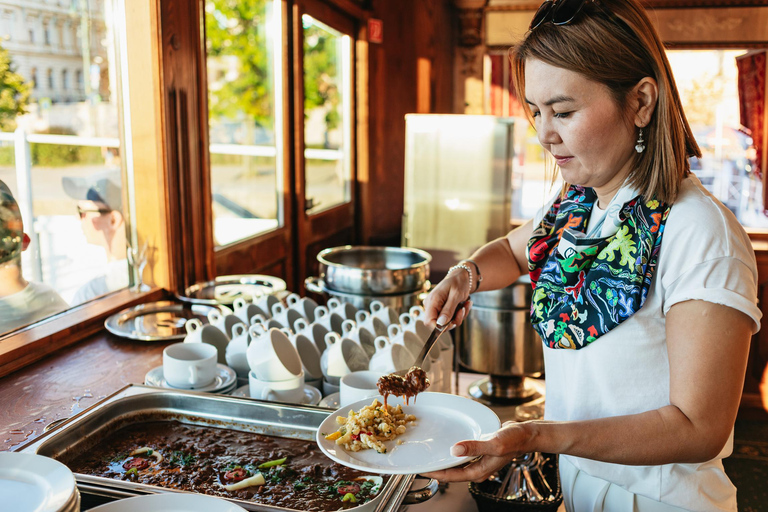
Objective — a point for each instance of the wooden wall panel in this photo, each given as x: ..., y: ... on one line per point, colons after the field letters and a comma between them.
x: 411, y: 71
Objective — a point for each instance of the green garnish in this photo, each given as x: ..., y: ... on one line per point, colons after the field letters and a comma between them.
x: 149, y: 452
x: 179, y: 458
x: 349, y: 497
x: 132, y: 471
x: 271, y: 463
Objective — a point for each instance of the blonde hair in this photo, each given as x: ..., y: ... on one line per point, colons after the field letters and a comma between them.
x: 614, y: 43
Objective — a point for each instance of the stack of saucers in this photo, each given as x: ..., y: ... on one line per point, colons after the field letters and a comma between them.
x: 30, y: 482
x: 224, y: 383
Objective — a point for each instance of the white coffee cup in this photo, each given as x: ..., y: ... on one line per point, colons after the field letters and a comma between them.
x: 287, y: 317
x: 410, y: 341
x: 199, y: 333
x: 289, y: 390
x: 389, y: 357
x: 314, y: 331
x: 305, y: 306
x: 245, y: 311
x: 372, y: 324
x: 342, y: 356
x: 331, y: 321
x: 189, y: 365
x: 357, y: 386
x: 308, y: 353
x: 272, y: 356
x: 236, y: 352
x: 343, y: 309
x: 224, y: 322
x: 330, y: 388
x: 384, y: 313
x: 265, y: 302
x: 268, y: 322
x: 361, y: 336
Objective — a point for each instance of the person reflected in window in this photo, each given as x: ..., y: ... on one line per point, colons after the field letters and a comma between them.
x: 99, y: 205
x: 21, y: 302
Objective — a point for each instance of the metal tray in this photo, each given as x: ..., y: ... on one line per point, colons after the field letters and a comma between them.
x: 226, y: 289
x: 158, y: 321
x: 136, y: 403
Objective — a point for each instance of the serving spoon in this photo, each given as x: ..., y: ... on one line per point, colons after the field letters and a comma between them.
x: 436, y: 332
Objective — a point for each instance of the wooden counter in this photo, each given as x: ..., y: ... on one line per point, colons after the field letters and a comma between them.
x: 69, y: 381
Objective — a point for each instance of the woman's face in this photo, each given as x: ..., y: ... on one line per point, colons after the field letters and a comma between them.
x: 580, y: 124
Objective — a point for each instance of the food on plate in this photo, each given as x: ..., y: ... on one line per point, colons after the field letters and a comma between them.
x: 370, y: 427
x: 289, y: 473
x: 414, y: 382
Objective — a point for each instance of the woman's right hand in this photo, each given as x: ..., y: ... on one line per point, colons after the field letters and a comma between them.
x: 442, y: 301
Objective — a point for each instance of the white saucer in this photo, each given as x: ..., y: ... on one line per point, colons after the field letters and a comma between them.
x: 35, y: 482
x: 225, y: 379
x: 332, y: 401
x: 312, y: 395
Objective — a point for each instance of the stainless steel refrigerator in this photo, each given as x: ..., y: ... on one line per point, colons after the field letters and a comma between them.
x: 465, y: 179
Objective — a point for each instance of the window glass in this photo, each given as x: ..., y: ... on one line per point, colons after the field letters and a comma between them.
x: 327, y: 123
x: 60, y: 163
x: 244, y: 117
x: 708, y: 85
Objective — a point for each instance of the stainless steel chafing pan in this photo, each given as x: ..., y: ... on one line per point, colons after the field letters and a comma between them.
x: 135, y: 403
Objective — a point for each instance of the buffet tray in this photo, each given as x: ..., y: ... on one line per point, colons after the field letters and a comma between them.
x: 136, y: 403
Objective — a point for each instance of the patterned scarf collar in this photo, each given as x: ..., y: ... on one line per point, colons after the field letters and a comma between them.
x: 585, y: 284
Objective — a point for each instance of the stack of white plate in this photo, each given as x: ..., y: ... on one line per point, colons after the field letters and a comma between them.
x: 33, y: 483
x: 170, y: 502
x: 224, y: 383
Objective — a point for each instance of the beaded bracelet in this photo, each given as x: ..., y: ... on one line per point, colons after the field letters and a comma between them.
x: 477, y: 273
x: 469, y: 273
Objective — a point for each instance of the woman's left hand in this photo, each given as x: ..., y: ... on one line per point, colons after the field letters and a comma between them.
x: 508, y: 442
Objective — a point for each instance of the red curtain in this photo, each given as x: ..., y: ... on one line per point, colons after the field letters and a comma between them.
x: 752, y: 105
x: 501, y: 94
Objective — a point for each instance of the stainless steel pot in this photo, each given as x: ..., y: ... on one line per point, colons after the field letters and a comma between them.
x: 400, y: 302
x: 364, y: 270
x: 497, y: 338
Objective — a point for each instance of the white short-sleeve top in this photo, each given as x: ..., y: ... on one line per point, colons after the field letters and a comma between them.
x: 705, y: 255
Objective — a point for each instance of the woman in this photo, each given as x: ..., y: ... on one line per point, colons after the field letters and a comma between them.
x: 644, y: 284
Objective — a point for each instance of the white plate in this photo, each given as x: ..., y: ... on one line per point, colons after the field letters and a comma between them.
x: 225, y: 378
x: 441, y: 421
x: 170, y: 502
x: 312, y: 395
x: 332, y: 401
x: 33, y: 483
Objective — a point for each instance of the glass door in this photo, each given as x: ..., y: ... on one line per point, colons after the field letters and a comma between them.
x: 324, y: 106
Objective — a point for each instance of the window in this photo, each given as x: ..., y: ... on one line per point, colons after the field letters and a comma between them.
x: 68, y: 194
x: 47, y: 35
x: 326, y: 111
x: 32, y: 36
x: 708, y: 85
x: 79, y: 80
x: 245, y: 149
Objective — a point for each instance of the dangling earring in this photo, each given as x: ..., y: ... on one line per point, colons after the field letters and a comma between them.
x: 640, y: 146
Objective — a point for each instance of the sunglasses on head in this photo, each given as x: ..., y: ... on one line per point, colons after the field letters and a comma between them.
x: 559, y: 12
x: 83, y: 211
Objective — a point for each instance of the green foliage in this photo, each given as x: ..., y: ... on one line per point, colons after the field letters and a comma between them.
x: 236, y: 35
x: 241, y: 89
x: 321, y: 73
x: 14, y: 93
x: 57, y: 155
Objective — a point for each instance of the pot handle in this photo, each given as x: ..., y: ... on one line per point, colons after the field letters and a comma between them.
x: 421, y: 494
x: 314, y: 284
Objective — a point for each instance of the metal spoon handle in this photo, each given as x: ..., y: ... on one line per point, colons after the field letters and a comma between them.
x: 436, y: 332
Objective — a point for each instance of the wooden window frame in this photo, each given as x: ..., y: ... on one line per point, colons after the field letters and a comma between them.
x: 164, y: 70
x: 144, y: 139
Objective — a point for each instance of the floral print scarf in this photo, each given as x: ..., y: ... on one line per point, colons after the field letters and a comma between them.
x: 587, y: 283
